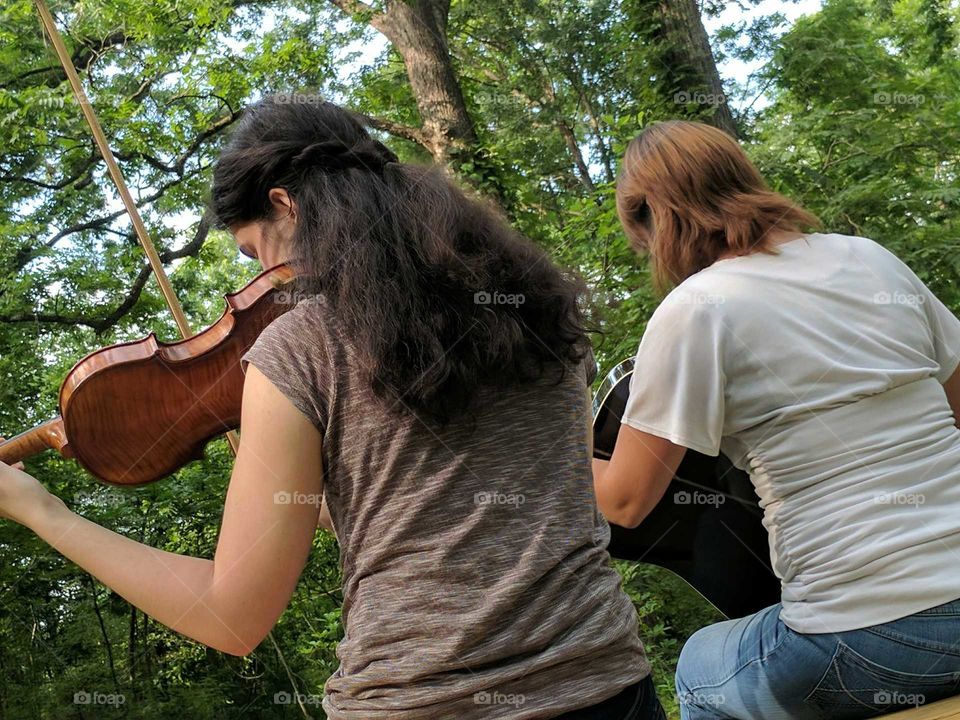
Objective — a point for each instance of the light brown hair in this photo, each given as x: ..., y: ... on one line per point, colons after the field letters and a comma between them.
x: 688, y: 194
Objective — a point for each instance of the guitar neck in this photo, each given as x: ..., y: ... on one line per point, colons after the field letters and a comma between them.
x: 49, y: 436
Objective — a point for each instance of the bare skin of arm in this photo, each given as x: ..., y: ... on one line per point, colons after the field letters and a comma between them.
x: 231, y: 602
x: 326, y: 522
x: 631, y: 483
x: 270, y: 250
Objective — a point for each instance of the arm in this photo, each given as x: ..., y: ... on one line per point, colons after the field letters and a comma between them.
x: 229, y: 603
x: 631, y: 483
x: 677, y: 391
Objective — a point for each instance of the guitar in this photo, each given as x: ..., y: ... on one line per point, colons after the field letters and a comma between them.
x: 707, y: 526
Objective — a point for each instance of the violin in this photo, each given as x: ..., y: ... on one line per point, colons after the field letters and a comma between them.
x: 135, y: 412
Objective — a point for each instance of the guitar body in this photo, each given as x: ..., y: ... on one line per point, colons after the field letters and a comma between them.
x: 707, y: 527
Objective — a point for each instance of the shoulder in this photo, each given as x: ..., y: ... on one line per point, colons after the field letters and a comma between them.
x: 885, y: 266
x: 697, y: 299
x: 308, y: 319
x: 309, y: 311
x: 862, y: 247
x: 294, y: 353
x: 692, y: 312
x: 703, y: 289
x: 854, y: 242
x: 301, y: 334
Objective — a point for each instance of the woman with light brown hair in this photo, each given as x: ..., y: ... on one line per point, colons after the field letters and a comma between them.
x: 824, y: 367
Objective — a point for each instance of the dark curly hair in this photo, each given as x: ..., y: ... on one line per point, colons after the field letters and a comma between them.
x: 437, y: 293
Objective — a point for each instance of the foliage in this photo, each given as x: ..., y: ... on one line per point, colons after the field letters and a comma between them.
x: 853, y: 112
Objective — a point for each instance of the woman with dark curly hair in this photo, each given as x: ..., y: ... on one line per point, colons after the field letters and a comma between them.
x: 432, y: 385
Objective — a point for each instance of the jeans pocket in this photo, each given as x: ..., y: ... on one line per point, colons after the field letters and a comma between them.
x: 856, y: 687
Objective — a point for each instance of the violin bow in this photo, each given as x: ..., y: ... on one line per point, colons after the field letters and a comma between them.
x: 117, y: 176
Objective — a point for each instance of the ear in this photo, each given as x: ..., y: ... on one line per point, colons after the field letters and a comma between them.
x: 281, y: 202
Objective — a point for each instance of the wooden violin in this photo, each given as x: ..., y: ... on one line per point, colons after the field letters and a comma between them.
x: 135, y: 412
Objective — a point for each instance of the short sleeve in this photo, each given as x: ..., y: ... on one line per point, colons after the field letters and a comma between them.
x: 678, y: 382
x: 292, y: 353
x: 944, y: 332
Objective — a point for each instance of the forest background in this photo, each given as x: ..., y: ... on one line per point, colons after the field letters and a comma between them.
x: 850, y: 107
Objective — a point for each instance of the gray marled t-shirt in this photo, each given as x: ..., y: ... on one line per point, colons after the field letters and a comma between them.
x: 476, y: 580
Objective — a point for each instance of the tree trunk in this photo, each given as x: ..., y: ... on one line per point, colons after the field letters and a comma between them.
x: 132, y: 646
x: 417, y: 29
x: 573, y: 147
x: 108, y: 647
x: 691, y: 70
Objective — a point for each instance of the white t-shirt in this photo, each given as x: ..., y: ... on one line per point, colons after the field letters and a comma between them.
x: 819, y: 371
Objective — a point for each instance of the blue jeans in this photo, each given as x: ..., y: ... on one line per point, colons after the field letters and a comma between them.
x: 757, y: 668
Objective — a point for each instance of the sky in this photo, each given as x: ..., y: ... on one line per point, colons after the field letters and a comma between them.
x: 736, y: 69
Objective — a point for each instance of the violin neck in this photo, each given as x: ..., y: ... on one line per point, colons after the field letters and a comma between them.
x: 49, y: 436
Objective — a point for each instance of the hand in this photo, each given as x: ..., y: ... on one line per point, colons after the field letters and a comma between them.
x: 21, y: 495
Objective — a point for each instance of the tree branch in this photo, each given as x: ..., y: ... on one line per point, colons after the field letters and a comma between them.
x: 354, y: 7
x: 358, y: 7
x: 86, y: 51
x: 96, y: 223
x: 180, y: 163
x: 59, y: 185
x: 394, y: 128
x: 98, y: 325
x: 104, y: 323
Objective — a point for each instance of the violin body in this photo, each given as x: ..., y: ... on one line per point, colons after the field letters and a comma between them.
x: 135, y: 412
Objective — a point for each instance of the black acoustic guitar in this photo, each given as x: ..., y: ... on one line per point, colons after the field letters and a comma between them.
x: 707, y: 527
